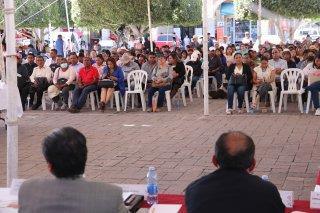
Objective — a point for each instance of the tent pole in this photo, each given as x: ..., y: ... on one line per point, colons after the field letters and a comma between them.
x: 11, y: 79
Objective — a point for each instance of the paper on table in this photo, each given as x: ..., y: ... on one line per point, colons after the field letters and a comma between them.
x: 315, y: 200
x: 287, y: 198
x: 6, y: 197
x: 165, y: 208
x: 317, y: 188
x: 138, y: 189
x: 125, y: 195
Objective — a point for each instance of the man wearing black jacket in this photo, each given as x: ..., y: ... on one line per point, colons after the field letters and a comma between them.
x: 22, y: 79
x: 30, y: 65
x: 231, y: 188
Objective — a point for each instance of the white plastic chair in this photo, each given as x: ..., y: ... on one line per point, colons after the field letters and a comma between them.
x: 235, y: 101
x: 311, y: 79
x: 93, y: 100
x: 187, y: 82
x: 118, y: 98
x: 138, y: 80
x: 295, y: 78
x: 272, y: 95
x: 69, y: 100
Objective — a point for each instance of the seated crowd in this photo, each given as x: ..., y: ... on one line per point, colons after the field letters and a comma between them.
x: 65, y: 152
x: 236, y: 69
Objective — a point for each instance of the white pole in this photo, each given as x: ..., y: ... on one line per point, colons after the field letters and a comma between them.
x: 259, y: 22
x: 205, y: 57
x: 11, y: 74
x: 149, y: 19
x: 67, y: 14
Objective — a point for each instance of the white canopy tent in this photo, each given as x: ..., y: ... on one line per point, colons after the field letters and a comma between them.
x: 11, y: 79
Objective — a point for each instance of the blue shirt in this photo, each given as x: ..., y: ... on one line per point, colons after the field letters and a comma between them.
x: 118, y: 73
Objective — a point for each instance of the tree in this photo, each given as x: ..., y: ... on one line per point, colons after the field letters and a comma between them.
x: 112, y: 14
x: 299, y: 9
x: 55, y: 13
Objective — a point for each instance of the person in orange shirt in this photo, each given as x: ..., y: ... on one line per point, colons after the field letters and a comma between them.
x: 87, y: 82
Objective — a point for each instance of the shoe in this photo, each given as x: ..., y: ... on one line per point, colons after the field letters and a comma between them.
x: 64, y: 106
x: 239, y: 111
x: 149, y: 109
x: 229, y: 112
x: 35, y: 107
x: 56, y: 107
x: 317, y: 112
x: 158, y: 109
x: 72, y: 110
x: 102, y: 106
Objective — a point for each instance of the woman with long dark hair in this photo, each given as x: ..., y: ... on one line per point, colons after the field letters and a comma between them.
x: 239, y: 78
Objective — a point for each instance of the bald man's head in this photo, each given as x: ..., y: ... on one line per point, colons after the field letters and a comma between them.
x: 234, y: 150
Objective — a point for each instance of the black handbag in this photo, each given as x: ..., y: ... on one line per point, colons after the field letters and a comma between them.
x: 238, y: 80
x: 106, y: 83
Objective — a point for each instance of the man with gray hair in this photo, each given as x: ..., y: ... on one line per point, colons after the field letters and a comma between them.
x: 231, y: 188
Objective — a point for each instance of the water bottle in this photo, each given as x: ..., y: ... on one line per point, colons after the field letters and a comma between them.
x: 152, y: 186
x: 265, y: 177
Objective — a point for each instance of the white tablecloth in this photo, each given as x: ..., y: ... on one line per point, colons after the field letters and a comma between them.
x: 5, y: 199
x: 3, y: 99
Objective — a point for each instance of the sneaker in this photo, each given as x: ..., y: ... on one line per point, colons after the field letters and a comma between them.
x: 64, y: 106
x: 229, y: 112
x: 56, y: 106
x: 35, y: 107
x: 72, y: 110
x: 317, y: 112
x: 239, y: 111
x: 149, y: 109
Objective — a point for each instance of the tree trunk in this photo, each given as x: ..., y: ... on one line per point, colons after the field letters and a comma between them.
x: 277, y: 23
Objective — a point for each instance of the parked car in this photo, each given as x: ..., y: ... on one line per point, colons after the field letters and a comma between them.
x: 166, y: 39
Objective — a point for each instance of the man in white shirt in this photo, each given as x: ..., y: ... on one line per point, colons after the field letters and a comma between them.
x: 279, y: 65
x: 247, y: 38
x: 74, y: 62
x: 41, y: 78
x: 52, y: 59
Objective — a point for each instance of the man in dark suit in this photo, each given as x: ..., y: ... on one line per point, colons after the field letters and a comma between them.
x: 65, y: 151
x: 231, y: 188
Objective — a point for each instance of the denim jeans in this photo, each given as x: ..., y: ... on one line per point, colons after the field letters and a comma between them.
x: 314, y: 89
x: 80, y: 95
x: 194, y: 81
x: 239, y: 89
x: 161, y: 96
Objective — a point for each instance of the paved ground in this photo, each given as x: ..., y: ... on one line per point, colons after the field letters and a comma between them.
x: 180, y: 145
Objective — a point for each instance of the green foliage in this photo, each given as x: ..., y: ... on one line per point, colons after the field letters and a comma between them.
x: 299, y: 9
x: 111, y: 14
x: 55, y: 13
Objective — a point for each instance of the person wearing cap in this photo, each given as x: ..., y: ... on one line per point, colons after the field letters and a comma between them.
x: 286, y: 55
x: 195, y: 63
x: 161, y: 81
x: 215, y: 66
x: 127, y: 65
x: 224, y: 43
x: 247, y: 38
x: 63, y: 81
x: 30, y: 65
x: 87, y: 82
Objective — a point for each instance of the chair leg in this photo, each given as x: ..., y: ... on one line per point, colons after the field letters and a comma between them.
x: 91, y: 97
x: 285, y: 102
x: 198, y: 89
x: 116, y: 96
x: 125, y: 101
x: 202, y: 86
x: 143, y: 101
x: 190, y: 93
x: 96, y: 97
x: 308, y: 102
x: 246, y: 98
x: 168, y: 99
x: 271, y: 95
x: 28, y: 102
x: 300, y: 103
x: 280, y: 102
x: 43, y: 103
x: 183, y: 95
x: 132, y: 100
x: 235, y: 101
x: 111, y: 100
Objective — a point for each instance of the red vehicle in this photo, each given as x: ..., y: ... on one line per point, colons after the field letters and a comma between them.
x: 166, y: 39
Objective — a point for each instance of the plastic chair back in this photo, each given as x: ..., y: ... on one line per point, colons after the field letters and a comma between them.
x: 137, y: 80
x: 294, y: 77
